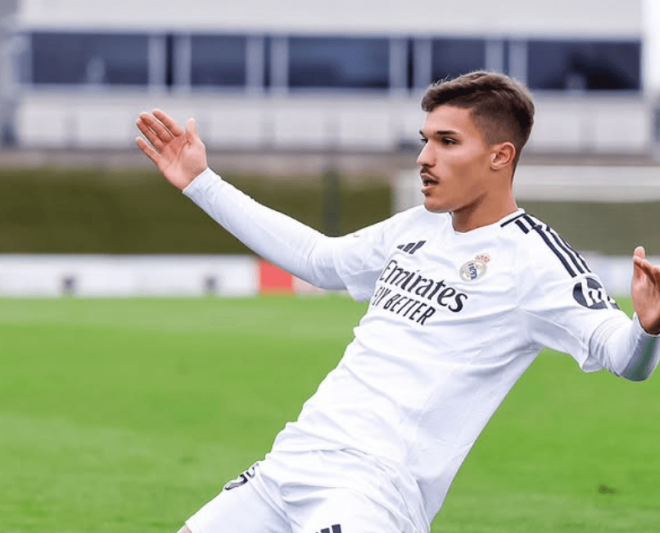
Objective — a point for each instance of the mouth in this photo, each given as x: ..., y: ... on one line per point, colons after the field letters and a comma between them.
x: 428, y: 181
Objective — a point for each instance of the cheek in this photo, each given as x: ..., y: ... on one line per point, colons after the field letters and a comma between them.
x: 471, y: 162
x: 461, y: 164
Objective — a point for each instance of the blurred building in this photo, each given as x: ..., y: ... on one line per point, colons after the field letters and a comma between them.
x: 312, y: 75
x: 8, y: 77
x: 296, y: 86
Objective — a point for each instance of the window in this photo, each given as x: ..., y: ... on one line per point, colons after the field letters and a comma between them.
x: 267, y: 60
x: 218, y: 61
x: 410, y: 64
x: 90, y: 58
x: 453, y: 57
x: 353, y: 63
x: 583, y: 65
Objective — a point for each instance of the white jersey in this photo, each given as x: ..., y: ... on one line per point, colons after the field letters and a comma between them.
x: 454, y: 320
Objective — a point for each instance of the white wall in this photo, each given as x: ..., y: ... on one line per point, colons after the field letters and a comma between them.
x: 357, y: 122
x: 566, y: 122
x: 93, y: 276
x: 127, y: 276
x: 486, y: 17
x: 651, y: 51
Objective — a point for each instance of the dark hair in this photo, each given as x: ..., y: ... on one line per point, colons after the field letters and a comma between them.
x: 502, y: 108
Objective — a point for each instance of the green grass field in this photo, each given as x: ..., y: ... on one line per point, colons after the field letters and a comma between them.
x: 127, y: 415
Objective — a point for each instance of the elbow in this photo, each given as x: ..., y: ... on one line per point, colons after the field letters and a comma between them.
x: 637, y: 378
x: 637, y: 375
x: 640, y: 368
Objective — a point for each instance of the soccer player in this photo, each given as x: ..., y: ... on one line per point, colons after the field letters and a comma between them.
x: 464, y: 292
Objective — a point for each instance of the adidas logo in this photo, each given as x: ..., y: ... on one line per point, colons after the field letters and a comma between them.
x: 410, y: 248
x: 335, y: 529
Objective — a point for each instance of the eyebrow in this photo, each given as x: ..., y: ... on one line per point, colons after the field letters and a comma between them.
x: 440, y: 132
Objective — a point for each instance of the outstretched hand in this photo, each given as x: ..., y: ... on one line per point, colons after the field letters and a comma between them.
x: 646, y: 292
x: 179, y: 154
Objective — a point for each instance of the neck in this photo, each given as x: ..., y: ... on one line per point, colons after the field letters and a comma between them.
x: 483, y: 212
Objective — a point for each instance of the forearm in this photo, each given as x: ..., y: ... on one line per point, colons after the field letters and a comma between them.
x: 285, y: 242
x: 626, y: 349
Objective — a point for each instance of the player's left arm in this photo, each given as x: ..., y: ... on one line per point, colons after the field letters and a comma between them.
x: 575, y: 315
x: 632, y: 350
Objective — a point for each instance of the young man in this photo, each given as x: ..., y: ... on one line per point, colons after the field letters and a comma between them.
x: 464, y: 292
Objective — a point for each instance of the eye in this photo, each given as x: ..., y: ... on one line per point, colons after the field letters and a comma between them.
x: 448, y: 141
x: 423, y: 140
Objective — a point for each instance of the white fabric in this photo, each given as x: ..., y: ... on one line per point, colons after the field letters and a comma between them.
x: 308, y: 492
x: 283, y: 241
x: 625, y: 348
x: 454, y: 320
x: 318, y: 489
x: 243, y: 509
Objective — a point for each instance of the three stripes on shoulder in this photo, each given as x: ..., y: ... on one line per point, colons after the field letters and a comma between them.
x: 573, y: 262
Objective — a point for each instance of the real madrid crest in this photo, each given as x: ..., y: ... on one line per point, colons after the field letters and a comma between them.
x: 475, y: 269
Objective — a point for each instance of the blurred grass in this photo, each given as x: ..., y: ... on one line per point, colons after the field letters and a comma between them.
x: 127, y: 415
x: 52, y: 210
x: 608, y: 228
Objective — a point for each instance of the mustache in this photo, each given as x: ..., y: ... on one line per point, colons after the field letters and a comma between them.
x: 425, y: 173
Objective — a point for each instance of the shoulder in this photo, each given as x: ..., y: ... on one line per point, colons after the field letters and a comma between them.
x: 553, y: 279
x: 382, y: 235
x: 541, y: 249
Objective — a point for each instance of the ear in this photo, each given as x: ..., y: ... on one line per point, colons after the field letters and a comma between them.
x: 501, y: 155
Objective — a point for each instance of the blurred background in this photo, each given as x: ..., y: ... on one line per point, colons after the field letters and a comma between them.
x: 312, y: 107
x: 126, y: 414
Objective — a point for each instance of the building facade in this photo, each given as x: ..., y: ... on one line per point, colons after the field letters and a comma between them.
x: 323, y: 75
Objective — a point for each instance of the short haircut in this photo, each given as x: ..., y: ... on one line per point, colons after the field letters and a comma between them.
x: 501, y: 108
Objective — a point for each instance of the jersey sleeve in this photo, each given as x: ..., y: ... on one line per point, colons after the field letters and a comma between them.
x: 278, y: 238
x: 564, y: 303
x: 352, y: 262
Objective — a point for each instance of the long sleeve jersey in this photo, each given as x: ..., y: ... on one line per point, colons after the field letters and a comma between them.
x: 454, y: 319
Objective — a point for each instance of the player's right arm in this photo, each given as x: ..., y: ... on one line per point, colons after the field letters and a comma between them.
x: 331, y: 263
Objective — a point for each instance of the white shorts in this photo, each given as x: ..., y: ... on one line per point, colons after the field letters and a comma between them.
x: 308, y: 492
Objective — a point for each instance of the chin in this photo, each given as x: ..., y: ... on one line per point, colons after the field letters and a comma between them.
x: 434, y: 206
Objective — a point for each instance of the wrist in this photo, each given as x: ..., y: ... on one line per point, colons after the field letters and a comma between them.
x: 198, y: 172
x: 650, y: 329
x: 201, y: 182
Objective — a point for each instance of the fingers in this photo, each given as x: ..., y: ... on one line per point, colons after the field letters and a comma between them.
x: 638, y: 271
x: 191, y: 128
x: 148, y: 150
x: 169, y: 122
x: 159, y: 129
x: 191, y: 133
x: 639, y: 258
x: 643, y: 266
x: 155, y: 132
x: 654, y: 273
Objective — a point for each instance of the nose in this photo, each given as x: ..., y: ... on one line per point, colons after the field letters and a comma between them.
x: 425, y: 157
